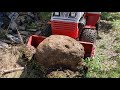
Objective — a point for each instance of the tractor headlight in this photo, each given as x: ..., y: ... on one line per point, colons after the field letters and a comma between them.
x: 56, y: 14
x: 72, y: 14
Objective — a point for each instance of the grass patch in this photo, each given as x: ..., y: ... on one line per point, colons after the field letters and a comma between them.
x: 117, y: 48
x: 102, y: 46
x: 106, y: 16
x: 94, y: 67
x: 114, y: 18
x: 97, y: 68
x: 116, y: 25
x: 117, y: 38
x: 110, y: 16
x: 45, y: 15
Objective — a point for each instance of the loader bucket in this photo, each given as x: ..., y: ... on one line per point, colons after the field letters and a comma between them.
x: 88, y: 48
x: 34, y: 40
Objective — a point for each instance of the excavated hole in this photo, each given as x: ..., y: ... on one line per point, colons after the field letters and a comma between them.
x: 67, y: 46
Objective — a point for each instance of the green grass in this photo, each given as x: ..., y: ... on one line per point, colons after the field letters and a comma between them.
x: 117, y: 37
x: 45, y: 15
x: 102, y: 46
x: 116, y: 25
x: 96, y: 68
x: 117, y: 48
x: 114, y: 18
x: 106, y: 16
x: 110, y: 16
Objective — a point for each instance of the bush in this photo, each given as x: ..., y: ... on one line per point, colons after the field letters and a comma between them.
x: 106, y: 16
x: 45, y: 15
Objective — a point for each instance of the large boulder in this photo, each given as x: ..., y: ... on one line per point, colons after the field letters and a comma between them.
x: 59, y: 51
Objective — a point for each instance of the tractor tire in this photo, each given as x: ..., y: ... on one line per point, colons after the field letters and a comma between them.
x: 88, y: 35
x: 47, y: 32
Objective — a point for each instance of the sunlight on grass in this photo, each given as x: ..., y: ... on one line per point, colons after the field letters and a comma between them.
x: 117, y: 48
x: 114, y: 18
x: 101, y: 68
x: 116, y: 25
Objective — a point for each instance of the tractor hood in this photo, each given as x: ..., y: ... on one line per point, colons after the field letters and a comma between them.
x: 65, y: 16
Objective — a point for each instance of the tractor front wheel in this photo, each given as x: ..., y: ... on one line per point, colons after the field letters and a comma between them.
x: 88, y: 35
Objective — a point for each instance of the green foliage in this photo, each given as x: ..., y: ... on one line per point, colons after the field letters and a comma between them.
x: 102, y: 46
x: 114, y: 17
x: 117, y: 37
x: 97, y: 68
x: 116, y: 24
x: 45, y: 15
x: 110, y: 16
x: 106, y: 16
x: 31, y: 26
x: 93, y: 65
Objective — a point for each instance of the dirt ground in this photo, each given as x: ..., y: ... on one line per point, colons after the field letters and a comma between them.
x: 105, y: 49
x: 11, y: 58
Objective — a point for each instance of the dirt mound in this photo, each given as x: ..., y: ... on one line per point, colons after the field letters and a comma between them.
x: 28, y: 51
x: 8, y: 60
x: 64, y: 74
x: 105, y: 25
x: 59, y: 50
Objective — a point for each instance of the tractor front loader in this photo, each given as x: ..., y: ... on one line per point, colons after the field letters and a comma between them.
x: 78, y: 25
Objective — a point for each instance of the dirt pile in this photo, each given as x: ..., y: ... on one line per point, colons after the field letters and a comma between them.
x: 64, y: 74
x: 28, y: 52
x: 9, y: 60
x: 105, y: 25
x: 59, y: 51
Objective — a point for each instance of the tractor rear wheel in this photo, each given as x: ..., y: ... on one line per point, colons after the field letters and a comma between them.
x: 88, y: 35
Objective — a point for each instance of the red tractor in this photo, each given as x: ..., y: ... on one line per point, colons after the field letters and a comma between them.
x: 81, y: 26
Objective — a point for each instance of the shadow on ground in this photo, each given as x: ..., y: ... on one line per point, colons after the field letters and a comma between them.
x: 105, y: 26
x: 32, y: 70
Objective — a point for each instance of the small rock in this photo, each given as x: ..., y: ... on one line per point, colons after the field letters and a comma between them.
x: 33, y: 30
x: 13, y: 38
x: 3, y: 45
x: 20, y: 20
x: 26, y: 33
x: 31, y: 14
x: 29, y: 51
x: 21, y: 28
x: 13, y: 25
x: 38, y: 32
x: 13, y: 15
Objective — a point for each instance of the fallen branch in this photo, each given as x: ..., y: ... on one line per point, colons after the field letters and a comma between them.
x: 11, y: 70
x: 21, y: 39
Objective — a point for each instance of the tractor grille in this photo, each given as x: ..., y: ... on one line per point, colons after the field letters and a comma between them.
x: 64, y: 25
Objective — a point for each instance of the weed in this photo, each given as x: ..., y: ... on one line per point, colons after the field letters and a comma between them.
x: 117, y: 37
x: 93, y: 65
x: 102, y: 46
x: 117, y: 48
x: 101, y: 67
